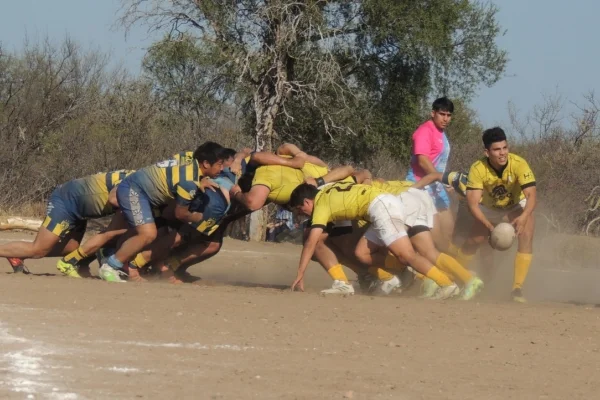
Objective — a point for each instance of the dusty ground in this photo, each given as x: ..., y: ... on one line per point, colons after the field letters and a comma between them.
x: 247, y: 338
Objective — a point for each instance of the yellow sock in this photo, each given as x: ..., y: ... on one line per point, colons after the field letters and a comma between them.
x: 391, y: 262
x: 381, y: 274
x: 438, y: 277
x: 419, y: 275
x: 464, y: 259
x: 337, y: 273
x: 453, y: 250
x: 139, y: 261
x: 451, y: 266
x: 75, y: 256
x: 522, y: 263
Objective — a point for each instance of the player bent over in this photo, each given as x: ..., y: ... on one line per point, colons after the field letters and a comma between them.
x: 419, y: 212
x: 153, y: 187
x: 71, y: 205
x: 384, y: 211
x: 501, y: 185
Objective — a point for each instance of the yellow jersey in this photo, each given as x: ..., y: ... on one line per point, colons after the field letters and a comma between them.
x: 343, y: 201
x: 393, y: 187
x: 501, y: 189
x: 282, y: 181
x: 88, y: 197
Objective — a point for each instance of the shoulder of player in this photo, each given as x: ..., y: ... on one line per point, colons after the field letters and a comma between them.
x: 516, y: 159
x: 481, y: 163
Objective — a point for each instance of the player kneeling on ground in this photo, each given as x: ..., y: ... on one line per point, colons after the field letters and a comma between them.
x: 349, y: 201
x: 501, y: 185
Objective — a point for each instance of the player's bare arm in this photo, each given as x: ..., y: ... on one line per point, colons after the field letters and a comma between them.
x: 236, y: 165
x: 266, y: 158
x: 425, y: 163
x: 289, y: 149
x: 364, y: 176
x: 336, y: 174
x: 473, y: 198
x: 428, y: 179
x: 530, y: 194
x: 307, y: 252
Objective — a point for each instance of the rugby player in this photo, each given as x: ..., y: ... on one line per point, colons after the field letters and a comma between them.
x: 70, y: 206
x: 387, y: 215
x: 502, y: 185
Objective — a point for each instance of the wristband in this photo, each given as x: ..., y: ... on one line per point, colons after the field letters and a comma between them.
x: 320, y: 181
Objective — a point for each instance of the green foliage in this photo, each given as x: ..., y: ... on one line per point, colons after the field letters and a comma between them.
x: 356, y: 75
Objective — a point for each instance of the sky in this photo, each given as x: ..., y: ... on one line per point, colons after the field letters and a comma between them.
x: 551, y: 45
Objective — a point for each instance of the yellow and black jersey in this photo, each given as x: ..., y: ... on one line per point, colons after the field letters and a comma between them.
x: 501, y: 189
x: 392, y: 187
x: 281, y: 181
x: 343, y: 202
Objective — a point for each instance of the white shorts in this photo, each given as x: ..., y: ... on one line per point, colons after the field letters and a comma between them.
x: 496, y: 215
x: 418, y: 208
x: 387, y: 220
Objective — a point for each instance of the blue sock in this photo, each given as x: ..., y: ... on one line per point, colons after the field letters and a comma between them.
x: 114, y: 263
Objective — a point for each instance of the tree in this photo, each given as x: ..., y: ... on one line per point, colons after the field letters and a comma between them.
x: 322, y: 61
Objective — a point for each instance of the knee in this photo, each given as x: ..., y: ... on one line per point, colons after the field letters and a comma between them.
x: 39, y: 252
x: 362, y: 255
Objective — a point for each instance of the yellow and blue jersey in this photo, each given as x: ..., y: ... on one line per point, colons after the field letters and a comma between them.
x: 161, y: 184
x: 181, y: 158
x: 212, y: 204
x: 81, y: 199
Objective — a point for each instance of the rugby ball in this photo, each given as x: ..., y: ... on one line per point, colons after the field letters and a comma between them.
x: 502, y: 236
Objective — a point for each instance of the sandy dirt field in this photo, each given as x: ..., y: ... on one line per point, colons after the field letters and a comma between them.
x: 240, y: 335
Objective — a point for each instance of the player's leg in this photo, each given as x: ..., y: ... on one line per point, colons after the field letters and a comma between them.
x: 444, y: 221
x: 83, y: 255
x: 57, y: 224
x: 387, y: 216
x: 422, y: 241
x: 523, y: 257
x: 137, y: 211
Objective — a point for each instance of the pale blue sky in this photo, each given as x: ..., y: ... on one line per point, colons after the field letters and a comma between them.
x: 552, y: 45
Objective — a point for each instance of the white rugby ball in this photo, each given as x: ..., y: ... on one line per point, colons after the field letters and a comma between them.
x: 502, y: 236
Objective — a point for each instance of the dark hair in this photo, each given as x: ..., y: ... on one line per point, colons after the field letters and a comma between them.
x: 493, y: 135
x: 443, y: 104
x: 228, y: 153
x: 302, y: 192
x: 209, y: 151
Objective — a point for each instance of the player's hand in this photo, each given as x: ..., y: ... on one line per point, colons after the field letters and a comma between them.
x: 207, y: 183
x: 236, y: 168
x: 311, y: 181
x: 298, y: 283
x: 298, y: 160
x: 519, y: 223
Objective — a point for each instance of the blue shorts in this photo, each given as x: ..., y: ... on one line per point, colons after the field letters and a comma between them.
x: 60, y: 215
x: 439, y: 196
x: 134, y: 203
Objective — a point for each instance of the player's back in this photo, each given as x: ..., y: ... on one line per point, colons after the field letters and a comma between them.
x: 282, y: 180
x: 88, y: 196
x: 393, y: 187
x: 343, y: 201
